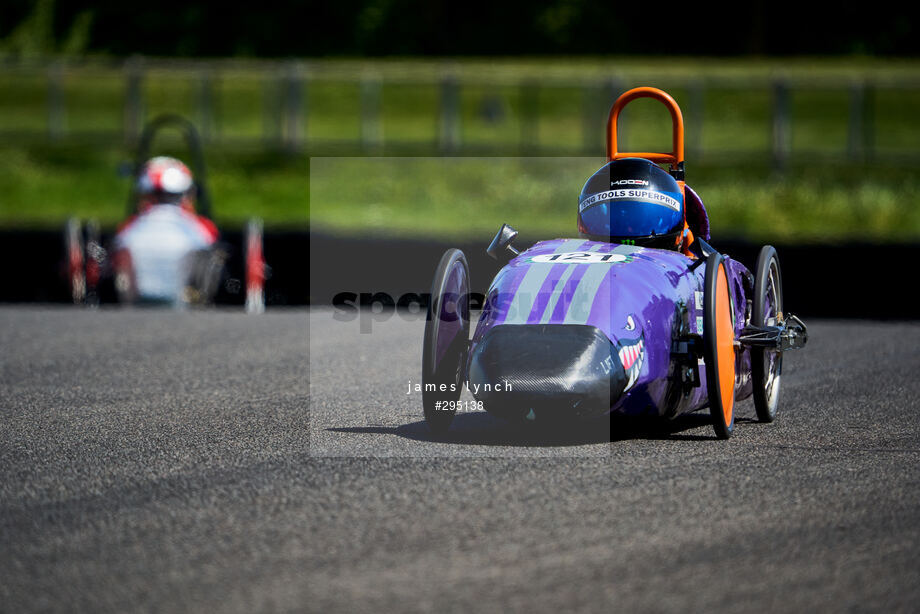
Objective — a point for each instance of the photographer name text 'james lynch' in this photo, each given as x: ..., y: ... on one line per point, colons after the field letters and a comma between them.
x: 505, y: 386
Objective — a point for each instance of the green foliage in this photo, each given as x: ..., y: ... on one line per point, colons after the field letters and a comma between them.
x: 43, y: 186
x: 471, y: 197
x: 462, y: 197
x: 362, y: 28
x: 823, y: 195
x: 34, y: 36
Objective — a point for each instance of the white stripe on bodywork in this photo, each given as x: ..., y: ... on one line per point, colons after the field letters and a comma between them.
x: 560, y: 286
x: 583, y: 297
x: 526, y: 293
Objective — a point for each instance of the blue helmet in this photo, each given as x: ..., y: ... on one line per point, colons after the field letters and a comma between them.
x: 632, y: 200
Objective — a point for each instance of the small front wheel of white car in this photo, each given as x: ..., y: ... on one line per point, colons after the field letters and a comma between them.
x: 255, y: 267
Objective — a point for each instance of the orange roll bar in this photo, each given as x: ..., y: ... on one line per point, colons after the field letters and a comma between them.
x: 676, y: 156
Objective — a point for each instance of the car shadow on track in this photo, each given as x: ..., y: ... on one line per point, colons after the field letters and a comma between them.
x: 480, y: 428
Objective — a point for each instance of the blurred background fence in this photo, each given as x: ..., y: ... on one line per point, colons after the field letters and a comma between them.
x: 310, y: 107
x: 793, y: 149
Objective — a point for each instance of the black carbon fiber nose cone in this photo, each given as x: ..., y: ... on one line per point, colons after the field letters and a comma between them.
x: 546, y: 371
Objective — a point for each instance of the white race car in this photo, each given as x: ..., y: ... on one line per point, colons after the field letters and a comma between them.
x: 168, y: 251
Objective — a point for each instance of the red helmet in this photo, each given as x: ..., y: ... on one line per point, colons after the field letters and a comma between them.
x: 165, y: 180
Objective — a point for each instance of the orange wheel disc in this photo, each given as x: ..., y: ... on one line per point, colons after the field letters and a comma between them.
x: 719, y: 344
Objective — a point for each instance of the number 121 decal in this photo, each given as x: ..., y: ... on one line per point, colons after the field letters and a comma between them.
x: 581, y: 258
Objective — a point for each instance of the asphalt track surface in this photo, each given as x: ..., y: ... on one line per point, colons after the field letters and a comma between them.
x: 164, y: 461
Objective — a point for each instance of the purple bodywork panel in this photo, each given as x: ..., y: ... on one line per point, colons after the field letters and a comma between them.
x: 642, y: 299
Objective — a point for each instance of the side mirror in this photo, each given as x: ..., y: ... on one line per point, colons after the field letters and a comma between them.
x: 502, y: 242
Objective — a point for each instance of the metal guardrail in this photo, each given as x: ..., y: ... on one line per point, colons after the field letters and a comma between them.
x: 286, y: 111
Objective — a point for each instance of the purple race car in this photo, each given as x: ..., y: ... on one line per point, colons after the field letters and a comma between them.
x: 638, y: 316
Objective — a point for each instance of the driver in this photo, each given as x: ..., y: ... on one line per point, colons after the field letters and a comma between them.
x: 164, y: 180
x: 157, y: 249
x: 634, y: 202
x: 167, y: 181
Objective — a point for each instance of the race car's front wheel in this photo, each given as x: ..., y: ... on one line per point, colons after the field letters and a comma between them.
x: 75, y: 257
x: 255, y: 268
x: 719, y: 347
x: 446, y: 344
x: 766, y: 364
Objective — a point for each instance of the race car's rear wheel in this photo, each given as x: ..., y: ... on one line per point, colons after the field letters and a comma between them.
x: 125, y: 278
x: 719, y: 347
x: 766, y: 364
x: 205, y: 272
x: 95, y: 256
x: 446, y: 344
